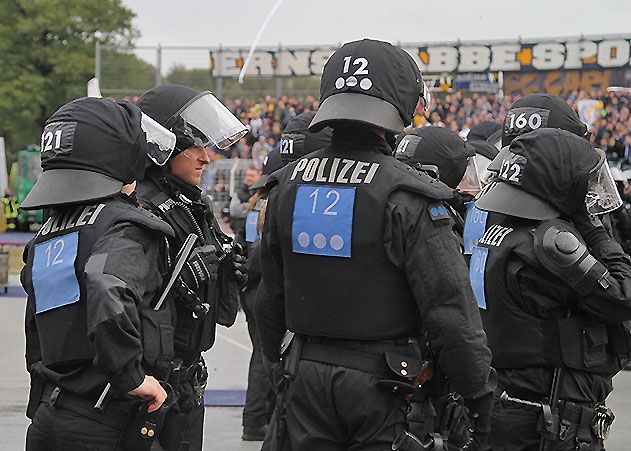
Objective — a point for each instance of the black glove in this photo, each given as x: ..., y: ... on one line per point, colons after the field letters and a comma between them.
x: 201, y: 267
x: 480, y: 414
x: 238, y: 262
x: 590, y: 227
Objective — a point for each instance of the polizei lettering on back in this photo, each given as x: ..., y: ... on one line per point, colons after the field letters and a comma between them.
x: 72, y: 218
x: 495, y: 235
x: 334, y: 170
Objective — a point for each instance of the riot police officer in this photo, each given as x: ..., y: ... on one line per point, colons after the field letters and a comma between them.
x: 358, y: 258
x: 296, y: 142
x: 198, y: 120
x: 554, y: 293
x: 91, y: 275
x: 531, y: 112
x: 445, y: 156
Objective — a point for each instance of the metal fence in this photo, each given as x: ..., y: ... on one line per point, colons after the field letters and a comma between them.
x: 131, y: 71
x: 220, y: 180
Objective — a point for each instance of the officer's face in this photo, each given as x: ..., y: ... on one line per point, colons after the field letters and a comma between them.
x: 189, y: 165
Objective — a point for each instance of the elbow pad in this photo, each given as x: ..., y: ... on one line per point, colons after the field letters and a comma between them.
x: 562, y: 251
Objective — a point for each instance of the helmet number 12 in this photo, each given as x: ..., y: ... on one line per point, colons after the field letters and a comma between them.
x: 361, y: 62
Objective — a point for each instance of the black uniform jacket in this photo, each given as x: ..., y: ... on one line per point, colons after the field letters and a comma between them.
x: 405, y: 274
x: 80, y: 341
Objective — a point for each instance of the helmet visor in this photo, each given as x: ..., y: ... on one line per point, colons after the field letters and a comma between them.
x: 481, y: 165
x: 208, y: 122
x: 470, y: 182
x: 161, y: 141
x: 602, y: 194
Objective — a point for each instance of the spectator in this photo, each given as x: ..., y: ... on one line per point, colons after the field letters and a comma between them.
x: 240, y: 198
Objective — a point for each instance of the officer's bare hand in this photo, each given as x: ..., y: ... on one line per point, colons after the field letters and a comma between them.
x: 150, y: 390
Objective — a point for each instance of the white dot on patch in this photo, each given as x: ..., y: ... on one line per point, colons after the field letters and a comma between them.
x: 351, y: 81
x: 337, y: 242
x: 303, y: 239
x: 365, y: 84
x: 339, y: 83
x: 319, y: 241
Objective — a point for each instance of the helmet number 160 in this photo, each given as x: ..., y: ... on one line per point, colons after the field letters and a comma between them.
x: 533, y: 121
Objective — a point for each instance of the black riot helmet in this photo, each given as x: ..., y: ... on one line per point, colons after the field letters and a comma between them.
x: 197, y: 118
x: 297, y: 141
x: 369, y: 82
x: 540, y: 110
x: 483, y: 130
x: 536, y: 111
x: 435, y: 150
x: 550, y: 173
x: 91, y: 147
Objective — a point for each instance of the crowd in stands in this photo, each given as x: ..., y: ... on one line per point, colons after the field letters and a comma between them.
x: 266, y: 117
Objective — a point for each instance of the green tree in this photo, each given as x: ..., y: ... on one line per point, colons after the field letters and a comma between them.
x: 47, y: 56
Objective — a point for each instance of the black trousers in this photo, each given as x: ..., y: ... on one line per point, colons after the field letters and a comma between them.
x: 59, y: 429
x: 181, y: 431
x: 259, y: 397
x: 514, y: 428
x: 331, y: 408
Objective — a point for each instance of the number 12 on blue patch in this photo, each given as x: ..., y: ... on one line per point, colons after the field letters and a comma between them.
x: 476, y: 274
x: 323, y: 220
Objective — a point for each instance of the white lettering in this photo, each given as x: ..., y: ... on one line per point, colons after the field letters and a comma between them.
x: 548, y: 56
x: 371, y: 172
x: 359, y: 170
x: 310, y: 170
x: 442, y: 59
x: 300, y: 166
x: 505, y: 57
x: 347, y: 165
x: 474, y: 58
x: 336, y: 163
x: 613, y: 53
x: 576, y: 52
x: 320, y: 174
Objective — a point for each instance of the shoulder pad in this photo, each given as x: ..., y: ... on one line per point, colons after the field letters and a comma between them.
x: 143, y: 218
x: 562, y: 251
x: 421, y: 183
x: 555, y: 240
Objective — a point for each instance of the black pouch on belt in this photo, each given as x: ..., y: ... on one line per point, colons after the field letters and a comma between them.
x: 143, y: 428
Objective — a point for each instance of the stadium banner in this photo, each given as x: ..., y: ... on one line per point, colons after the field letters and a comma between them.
x: 580, y: 53
x: 562, y: 83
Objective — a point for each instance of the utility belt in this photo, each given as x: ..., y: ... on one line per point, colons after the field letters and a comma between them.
x: 384, y: 358
x: 189, y: 382
x: 591, y: 422
x: 116, y: 415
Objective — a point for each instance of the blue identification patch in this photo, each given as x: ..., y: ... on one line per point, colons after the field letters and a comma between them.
x: 54, y: 278
x: 438, y: 212
x: 251, y: 223
x: 323, y: 220
x: 476, y: 274
x: 474, y: 226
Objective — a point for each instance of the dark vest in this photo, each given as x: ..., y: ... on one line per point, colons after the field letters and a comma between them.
x: 54, y: 270
x: 517, y: 336
x: 339, y: 282
x: 192, y: 335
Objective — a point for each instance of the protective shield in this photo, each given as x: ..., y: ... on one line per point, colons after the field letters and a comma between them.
x: 602, y: 195
x: 161, y: 141
x: 206, y: 121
